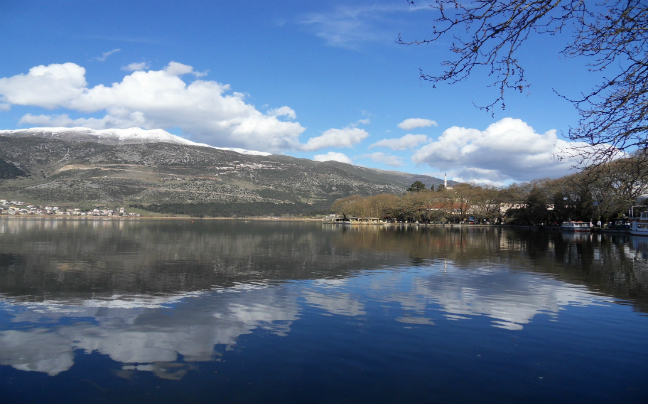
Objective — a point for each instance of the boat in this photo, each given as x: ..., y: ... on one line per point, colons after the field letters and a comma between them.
x: 617, y: 225
x: 576, y: 226
x: 336, y: 220
x: 639, y: 226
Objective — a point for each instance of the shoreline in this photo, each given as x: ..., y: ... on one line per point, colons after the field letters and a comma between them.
x: 65, y: 217
x: 280, y: 219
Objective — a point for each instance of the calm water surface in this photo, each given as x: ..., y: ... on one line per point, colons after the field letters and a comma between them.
x: 234, y: 311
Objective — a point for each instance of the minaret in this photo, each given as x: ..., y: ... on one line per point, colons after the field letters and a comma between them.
x: 445, y: 180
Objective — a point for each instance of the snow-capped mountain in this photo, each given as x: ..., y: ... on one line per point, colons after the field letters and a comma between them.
x: 193, y: 180
x: 116, y: 137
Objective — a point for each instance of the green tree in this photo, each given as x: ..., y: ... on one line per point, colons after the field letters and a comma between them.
x: 562, y: 210
x: 536, y: 211
x: 417, y: 186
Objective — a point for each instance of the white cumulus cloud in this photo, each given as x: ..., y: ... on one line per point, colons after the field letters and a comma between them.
x: 283, y: 111
x: 403, y: 143
x: 414, y: 123
x: 207, y: 111
x: 179, y: 69
x: 333, y: 156
x: 135, y: 119
x: 133, y: 67
x: 388, y: 159
x: 346, y: 137
x: 44, y: 86
x: 507, y: 150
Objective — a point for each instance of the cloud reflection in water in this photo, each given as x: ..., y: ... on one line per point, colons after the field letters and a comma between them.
x: 510, y: 298
x: 135, y: 313
x: 191, y: 328
x: 144, y: 336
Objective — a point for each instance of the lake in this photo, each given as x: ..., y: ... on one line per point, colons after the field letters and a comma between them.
x: 204, y: 311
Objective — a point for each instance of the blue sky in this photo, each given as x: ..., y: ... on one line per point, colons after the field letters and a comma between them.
x: 315, y: 80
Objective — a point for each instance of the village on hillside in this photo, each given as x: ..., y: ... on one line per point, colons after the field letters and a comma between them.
x: 23, y: 208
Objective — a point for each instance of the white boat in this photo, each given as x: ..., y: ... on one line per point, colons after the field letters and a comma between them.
x: 639, y: 226
x: 576, y: 226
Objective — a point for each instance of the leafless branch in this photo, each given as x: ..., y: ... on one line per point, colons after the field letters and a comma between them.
x: 612, y: 33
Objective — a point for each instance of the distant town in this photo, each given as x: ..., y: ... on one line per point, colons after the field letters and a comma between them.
x: 24, y: 208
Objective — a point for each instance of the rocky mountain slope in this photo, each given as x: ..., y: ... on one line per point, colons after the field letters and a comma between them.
x: 89, y: 172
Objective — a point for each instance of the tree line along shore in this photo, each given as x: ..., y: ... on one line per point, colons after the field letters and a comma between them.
x: 611, y: 191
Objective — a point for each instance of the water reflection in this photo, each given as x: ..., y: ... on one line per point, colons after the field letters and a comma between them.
x: 147, y: 337
x: 638, y: 248
x: 160, y: 296
x: 142, y: 337
x: 509, y: 298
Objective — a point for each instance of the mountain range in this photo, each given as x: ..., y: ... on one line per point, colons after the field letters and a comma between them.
x: 155, y: 169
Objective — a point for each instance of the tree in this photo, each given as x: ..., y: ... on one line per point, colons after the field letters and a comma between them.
x: 613, y: 34
x: 535, y: 210
x: 379, y: 206
x: 615, y: 187
x: 416, y: 186
x: 485, y: 202
x: 349, y: 206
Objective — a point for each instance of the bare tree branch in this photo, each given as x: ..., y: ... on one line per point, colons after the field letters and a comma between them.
x: 612, y: 33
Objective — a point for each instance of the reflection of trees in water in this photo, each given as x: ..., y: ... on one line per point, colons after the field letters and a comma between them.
x: 463, y: 245
x: 44, y: 258
x: 76, y: 259
x: 603, y: 263
x: 421, y: 243
x: 600, y: 262
x: 76, y: 268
